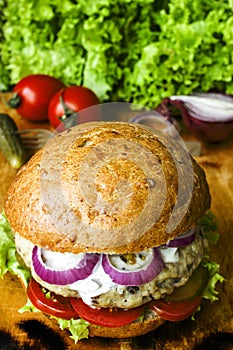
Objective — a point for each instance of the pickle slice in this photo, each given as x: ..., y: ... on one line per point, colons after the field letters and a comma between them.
x: 194, y: 287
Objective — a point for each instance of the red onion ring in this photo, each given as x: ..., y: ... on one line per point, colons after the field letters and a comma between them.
x: 183, y: 240
x: 79, y: 271
x: 136, y: 277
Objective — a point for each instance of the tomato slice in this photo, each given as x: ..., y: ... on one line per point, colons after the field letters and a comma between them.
x: 68, y: 308
x: 55, y: 306
x: 175, y: 311
x: 106, y: 317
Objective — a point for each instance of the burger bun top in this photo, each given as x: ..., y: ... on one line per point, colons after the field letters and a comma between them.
x: 109, y: 187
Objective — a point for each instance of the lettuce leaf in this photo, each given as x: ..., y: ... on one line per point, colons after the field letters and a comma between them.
x: 8, y: 260
x: 78, y: 328
x: 210, y: 291
x: 137, y: 51
x: 28, y: 307
x: 209, y: 225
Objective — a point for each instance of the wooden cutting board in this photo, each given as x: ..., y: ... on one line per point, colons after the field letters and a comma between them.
x: 214, y: 323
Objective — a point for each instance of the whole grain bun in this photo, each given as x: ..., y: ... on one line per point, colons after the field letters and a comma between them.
x: 107, y: 187
x: 133, y: 329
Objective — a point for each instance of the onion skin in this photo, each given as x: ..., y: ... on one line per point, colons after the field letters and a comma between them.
x: 135, y: 278
x: 66, y: 276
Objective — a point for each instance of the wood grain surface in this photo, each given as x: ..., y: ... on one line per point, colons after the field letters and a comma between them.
x: 213, y: 327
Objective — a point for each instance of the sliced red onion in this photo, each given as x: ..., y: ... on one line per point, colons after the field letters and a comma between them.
x: 77, y: 270
x: 207, y: 106
x: 151, y: 264
x: 182, y: 240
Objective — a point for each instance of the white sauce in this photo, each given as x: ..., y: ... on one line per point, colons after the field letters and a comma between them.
x: 60, y: 261
x: 169, y: 255
x: 97, y: 283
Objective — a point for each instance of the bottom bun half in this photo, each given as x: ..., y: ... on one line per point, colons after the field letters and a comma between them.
x: 133, y: 329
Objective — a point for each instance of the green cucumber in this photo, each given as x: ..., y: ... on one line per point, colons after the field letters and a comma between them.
x: 10, y: 142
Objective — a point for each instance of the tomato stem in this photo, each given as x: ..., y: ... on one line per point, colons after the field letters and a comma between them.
x: 67, y: 110
x: 14, y: 101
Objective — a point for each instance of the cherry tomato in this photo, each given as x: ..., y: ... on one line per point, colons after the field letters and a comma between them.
x: 69, y: 100
x: 55, y: 306
x: 32, y: 95
x: 175, y: 311
x: 105, y: 317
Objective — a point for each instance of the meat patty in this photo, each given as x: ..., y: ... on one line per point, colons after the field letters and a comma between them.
x: 173, y: 274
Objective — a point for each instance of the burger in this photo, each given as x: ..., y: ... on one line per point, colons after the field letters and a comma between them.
x: 108, y: 227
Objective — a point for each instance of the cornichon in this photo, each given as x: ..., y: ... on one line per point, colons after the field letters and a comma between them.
x: 10, y: 142
x: 194, y: 287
